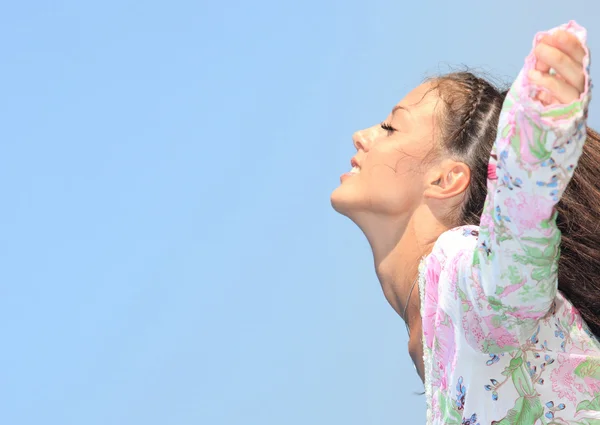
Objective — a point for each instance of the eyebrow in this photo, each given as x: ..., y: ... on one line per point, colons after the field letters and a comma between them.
x: 400, y: 107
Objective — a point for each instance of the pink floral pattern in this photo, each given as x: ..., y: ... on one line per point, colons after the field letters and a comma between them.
x: 431, y: 294
x: 563, y: 378
x: 501, y: 344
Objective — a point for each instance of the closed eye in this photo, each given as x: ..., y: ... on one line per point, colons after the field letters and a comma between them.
x: 388, y: 128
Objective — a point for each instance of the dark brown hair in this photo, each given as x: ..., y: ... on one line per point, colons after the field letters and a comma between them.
x: 469, y: 119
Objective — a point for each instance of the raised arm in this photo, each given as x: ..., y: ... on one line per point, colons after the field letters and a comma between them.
x: 540, y: 138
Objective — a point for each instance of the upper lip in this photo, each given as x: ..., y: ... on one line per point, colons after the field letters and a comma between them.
x: 354, y: 163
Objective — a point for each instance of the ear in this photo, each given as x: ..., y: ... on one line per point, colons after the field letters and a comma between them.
x: 450, y: 178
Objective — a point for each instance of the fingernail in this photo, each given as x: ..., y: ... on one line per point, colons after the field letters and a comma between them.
x: 534, y: 74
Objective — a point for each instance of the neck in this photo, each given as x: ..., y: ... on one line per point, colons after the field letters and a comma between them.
x: 397, y: 269
x: 398, y: 245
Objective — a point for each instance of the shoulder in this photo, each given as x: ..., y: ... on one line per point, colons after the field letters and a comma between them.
x: 455, y: 243
x: 451, y: 257
x: 445, y: 270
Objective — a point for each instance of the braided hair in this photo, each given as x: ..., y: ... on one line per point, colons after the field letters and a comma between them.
x: 475, y: 94
x: 468, y: 121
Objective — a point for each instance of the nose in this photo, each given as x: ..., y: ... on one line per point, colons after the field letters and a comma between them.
x: 360, y: 141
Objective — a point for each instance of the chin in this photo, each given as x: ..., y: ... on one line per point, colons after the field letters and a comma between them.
x: 342, y: 201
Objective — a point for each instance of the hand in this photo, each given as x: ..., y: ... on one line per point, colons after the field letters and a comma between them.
x: 563, y: 53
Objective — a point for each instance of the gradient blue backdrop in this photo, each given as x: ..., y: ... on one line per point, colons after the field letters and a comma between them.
x: 168, y: 252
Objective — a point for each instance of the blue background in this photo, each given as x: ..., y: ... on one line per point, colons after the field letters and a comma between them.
x: 168, y: 251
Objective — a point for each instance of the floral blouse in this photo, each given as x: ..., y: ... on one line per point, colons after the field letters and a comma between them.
x: 501, y: 344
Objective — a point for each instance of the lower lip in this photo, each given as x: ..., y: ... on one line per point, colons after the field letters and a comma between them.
x: 346, y: 176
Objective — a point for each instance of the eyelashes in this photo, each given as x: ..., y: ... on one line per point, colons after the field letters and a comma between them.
x: 388, y: 128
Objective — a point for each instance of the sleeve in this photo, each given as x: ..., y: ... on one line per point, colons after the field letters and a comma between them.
x: 514, y: 272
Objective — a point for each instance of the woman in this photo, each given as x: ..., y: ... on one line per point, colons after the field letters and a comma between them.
x: 462, y: 190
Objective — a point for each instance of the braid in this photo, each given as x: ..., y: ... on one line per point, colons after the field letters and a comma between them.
x: 469, y: 119
x: 477, y: 87
x: 470, y: 115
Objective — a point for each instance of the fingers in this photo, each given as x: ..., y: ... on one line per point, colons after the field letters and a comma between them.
x: 569, y: 44
x: 570, y: 70
x: 559, y: 68
x: 561, y: 90
x: 539, y: 64
x: 545, y: 97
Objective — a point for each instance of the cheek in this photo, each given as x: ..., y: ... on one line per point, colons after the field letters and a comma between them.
x: 393, y: 189
x: 393, y: 170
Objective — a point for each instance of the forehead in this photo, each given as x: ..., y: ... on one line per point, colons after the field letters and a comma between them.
x: 421, y: 100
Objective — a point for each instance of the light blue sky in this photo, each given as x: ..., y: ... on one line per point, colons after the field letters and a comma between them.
x: 168, y: 253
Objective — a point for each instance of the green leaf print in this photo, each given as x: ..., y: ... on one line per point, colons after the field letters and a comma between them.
x: 491, y: 346
x: 450, y: 414
x: 543, y: 254
x: 544, y: 241
x: 520, y: 377
x: 522, y: 381
x: 565, y: 112
x: 592, y: 405
x: 527, y: 410
x: 514, y: 275
x: 497, y: 320
x: 495, y: 303
x: 512, y: 366
x: 538, y: 147
x: 533, y: 256
x: 476, y: 261
x: 589, y: 368
x: 542, y: 273
x: 501, y: 237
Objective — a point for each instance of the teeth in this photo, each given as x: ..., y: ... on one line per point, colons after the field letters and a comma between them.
x: 355, y: 170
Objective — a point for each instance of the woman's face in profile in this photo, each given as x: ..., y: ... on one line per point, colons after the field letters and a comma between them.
x: 386, y: 176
